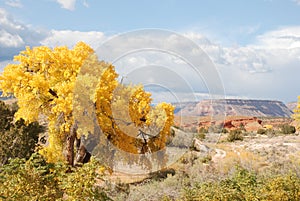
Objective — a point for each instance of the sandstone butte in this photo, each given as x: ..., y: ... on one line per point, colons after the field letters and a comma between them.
x: 231, y: 122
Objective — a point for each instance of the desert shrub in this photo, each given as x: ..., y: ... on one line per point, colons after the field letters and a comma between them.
x: 270, y: 132
x: 242, y: 127
x: 188, y: 158
x: 261, y: 131
x: 240, y: 186
x: 168, y: 189
x: 281, y: 187
x: 202, y: 130
x: 16, y: 138
x: 224, y: 130
x: 287, y: 129
x: 28, y: 180
x: 206, y: 159
x: 201, y: 136
x: 215, y: 129
x: 248, y: 133
x: 80, y: 184
x: 35, y: 179
x: 246, y: 185
x: 235, y: 135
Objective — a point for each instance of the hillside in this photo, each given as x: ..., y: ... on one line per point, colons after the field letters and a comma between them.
x: 233, y: 107
x: 292, y: 105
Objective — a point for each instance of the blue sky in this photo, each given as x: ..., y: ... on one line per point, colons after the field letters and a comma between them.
x: 254, y: 44
x: 234, y: 21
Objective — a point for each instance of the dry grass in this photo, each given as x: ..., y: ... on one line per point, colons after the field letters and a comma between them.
x: 264, y: 156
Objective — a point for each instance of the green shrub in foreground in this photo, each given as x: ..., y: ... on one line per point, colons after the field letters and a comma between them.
x: 37, y: 180
x: 246, y: 185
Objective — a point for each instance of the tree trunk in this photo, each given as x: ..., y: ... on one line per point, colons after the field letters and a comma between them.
x: 82, y: 156
x: 70, y: 145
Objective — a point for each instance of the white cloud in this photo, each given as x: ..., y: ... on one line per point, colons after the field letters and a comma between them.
x: 67, y: 4
x: 14, y: 36
x: 8, y: 23
x: 283, y: 38
x: 245, y: 58
x: 268, y: 68
x: 71, y: 4
x: 10, y: 40
x: 70, y: 38
x: 14, y: 3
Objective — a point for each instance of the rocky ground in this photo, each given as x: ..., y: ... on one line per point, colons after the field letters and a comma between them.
x: 259, y: 152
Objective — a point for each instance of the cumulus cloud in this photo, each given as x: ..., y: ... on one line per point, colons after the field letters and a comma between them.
x: 245, y: 58
x: 70, y: 38
x: 283, y: 38
x: 67, y: 4
x: 162, y: 58
x: 261, y: 70
x: 71, y: 4
x: 14, y: 36
x: 10, y: 40
x: 267, y: 68
x: 14, y: 3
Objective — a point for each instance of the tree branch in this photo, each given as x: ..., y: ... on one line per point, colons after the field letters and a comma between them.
x: 53, y: 93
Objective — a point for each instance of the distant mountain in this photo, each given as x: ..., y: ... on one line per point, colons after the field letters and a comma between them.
x: 292, y: 105
x: 233, y: 107
x: 4, y: 98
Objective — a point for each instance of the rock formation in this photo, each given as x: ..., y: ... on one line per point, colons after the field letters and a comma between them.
x: 233, y: 107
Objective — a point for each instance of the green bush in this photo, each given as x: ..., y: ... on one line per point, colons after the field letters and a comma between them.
x: 281, y: 187
x: 261, y: 131
x: 246, y: 185
x: 242, y: 127
x: 6, y: 117
x: 201, y: 136
x: 224, y: 130
x: 235, y: 135
x: 202, y: 130
x: 287, y: 129
x: 35, y: 179
x: 28, y: 180
x: 206, y: 159
x: 16, y: 138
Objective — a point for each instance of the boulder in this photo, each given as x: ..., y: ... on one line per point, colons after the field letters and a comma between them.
x: 198, y: 146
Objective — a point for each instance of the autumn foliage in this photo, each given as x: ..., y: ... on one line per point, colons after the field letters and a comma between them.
x: 65, y: 84
x: 297, y: 113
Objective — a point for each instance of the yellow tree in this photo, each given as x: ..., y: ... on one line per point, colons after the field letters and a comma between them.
x: 45, y: 82
x: 296, y: 115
